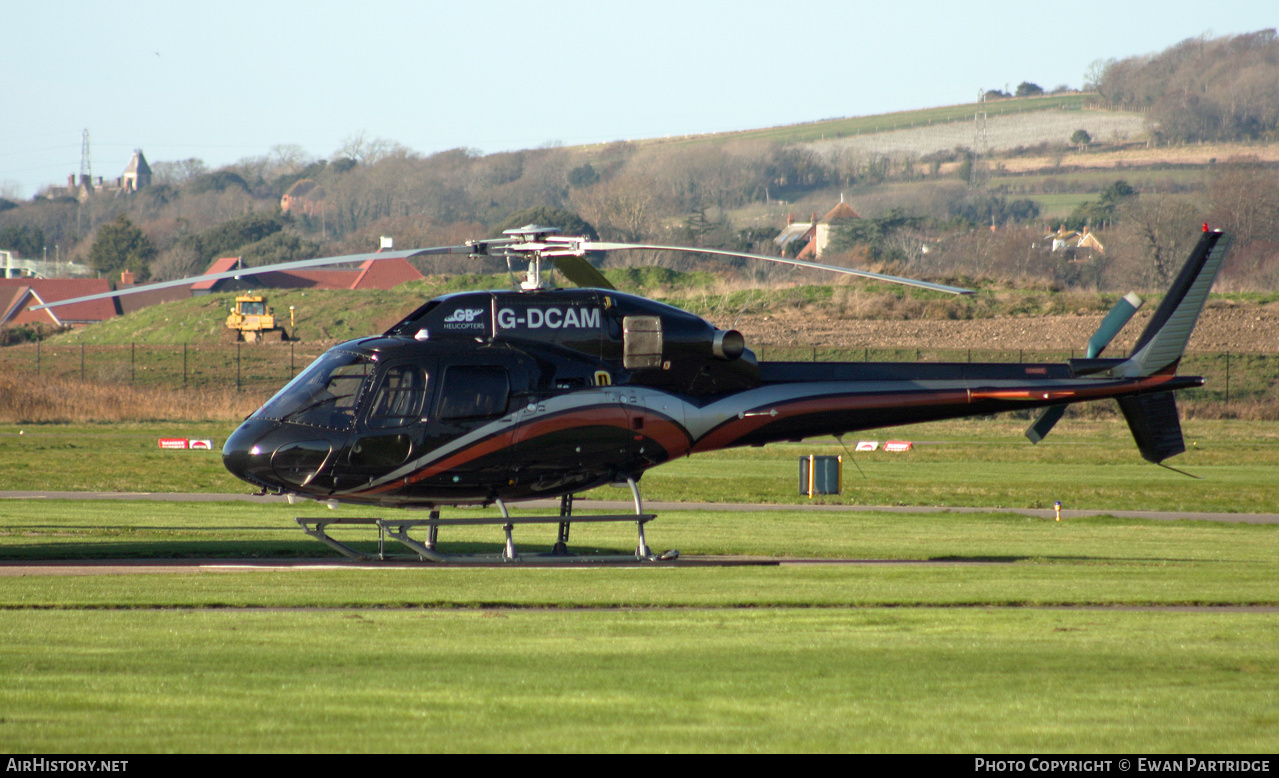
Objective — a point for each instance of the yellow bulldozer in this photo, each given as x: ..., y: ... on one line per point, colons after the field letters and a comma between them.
x: 252, y: 321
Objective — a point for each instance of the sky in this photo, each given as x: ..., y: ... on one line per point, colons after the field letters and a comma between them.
x: 222, y: 82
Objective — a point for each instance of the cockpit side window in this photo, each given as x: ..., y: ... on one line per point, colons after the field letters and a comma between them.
x: 474, y: 392
x: 399, y: 397
x: 324, y: 395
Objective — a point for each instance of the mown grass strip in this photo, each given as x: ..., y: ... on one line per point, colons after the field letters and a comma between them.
x: 740, y: 681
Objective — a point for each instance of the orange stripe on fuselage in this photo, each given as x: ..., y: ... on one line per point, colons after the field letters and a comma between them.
x: 731, y: 431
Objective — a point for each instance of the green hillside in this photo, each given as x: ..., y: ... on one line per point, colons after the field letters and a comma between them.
x: 857, y: 125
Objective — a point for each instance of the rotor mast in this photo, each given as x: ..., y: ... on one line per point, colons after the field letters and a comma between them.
x: 530, y: 243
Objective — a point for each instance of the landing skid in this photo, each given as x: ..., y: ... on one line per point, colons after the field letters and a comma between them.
x: 426, y: 551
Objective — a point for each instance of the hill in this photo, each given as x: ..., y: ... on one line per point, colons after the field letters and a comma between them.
x: 936, y: 178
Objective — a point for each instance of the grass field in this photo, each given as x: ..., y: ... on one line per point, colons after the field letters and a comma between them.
x: 974, y: 632
x: 689, y: 680
x: 956, y: 656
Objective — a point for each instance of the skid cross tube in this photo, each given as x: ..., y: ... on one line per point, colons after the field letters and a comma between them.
x: 399, y: 529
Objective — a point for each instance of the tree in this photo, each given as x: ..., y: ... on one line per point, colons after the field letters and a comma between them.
x: 1161, y: 229
x: 1095, y: 75
x: 23, y: 240
x: 1105, y: 210
x: 217, y: 181
x: 177, y: 173
x: 224, y: 239
x: 1202, y: 88
x: 1028, y: 89
x: 369, y: 151
x: 1244, y: 194
x: 875, y: 234
x: 1080, y: 138
x: 278, y: 247
x: 121, y: 245
x: 624, y: 208
x: 585, y: 175
x: 981, y: 210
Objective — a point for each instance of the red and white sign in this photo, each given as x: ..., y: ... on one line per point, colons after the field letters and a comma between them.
x: 201, y: 445
x: 867, y: 445
x: 897, y: 445
x: 173, y: 443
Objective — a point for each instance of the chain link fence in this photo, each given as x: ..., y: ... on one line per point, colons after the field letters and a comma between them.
x: 1231, y: 377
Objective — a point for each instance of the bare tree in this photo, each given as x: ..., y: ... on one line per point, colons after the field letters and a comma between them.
x: 624, y: 208
x: 1244, y: 195
x: 1157, y: 231
x: 369, y: 151
x: 177, y: 173
x: 286, y: 159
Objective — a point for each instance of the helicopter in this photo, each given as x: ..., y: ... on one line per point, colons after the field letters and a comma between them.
x: 502, y: 396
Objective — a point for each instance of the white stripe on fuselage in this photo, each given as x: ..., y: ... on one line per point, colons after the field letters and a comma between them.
x: 700, y: 420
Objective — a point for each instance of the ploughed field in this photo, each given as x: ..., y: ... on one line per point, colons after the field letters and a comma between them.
x: 1244, y: 327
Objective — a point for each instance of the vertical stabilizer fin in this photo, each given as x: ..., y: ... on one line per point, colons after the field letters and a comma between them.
x: 1164, y: 339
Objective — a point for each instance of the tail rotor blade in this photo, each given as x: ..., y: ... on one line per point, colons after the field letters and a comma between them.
x: 1113, y: 323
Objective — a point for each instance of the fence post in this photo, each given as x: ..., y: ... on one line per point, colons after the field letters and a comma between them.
x: 82, y: 362
x: 184, y: 364
x: 37, y: 359
x: 237, y: 367
x: 1227, y: 376
x: 133, y: 350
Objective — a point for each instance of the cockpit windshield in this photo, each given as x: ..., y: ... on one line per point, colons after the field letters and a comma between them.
x: 323, y: 395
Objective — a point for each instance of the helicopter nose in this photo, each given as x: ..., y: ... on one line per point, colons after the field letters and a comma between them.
x: 245, y: 456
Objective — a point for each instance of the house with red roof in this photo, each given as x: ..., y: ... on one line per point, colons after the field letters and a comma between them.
x: 815, y: 235
x: 19, y: 294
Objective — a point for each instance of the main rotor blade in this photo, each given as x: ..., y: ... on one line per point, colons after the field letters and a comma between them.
x: 601, y: 246
x: 253, y: 271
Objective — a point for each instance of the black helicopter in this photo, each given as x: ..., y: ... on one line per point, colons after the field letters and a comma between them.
x: 501, y: 396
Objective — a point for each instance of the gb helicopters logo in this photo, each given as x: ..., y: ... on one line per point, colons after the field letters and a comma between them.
x: 549, y: 318
x: 465, y: 319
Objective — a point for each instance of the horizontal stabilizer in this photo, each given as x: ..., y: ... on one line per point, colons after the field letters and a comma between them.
x: 1154, y: 424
